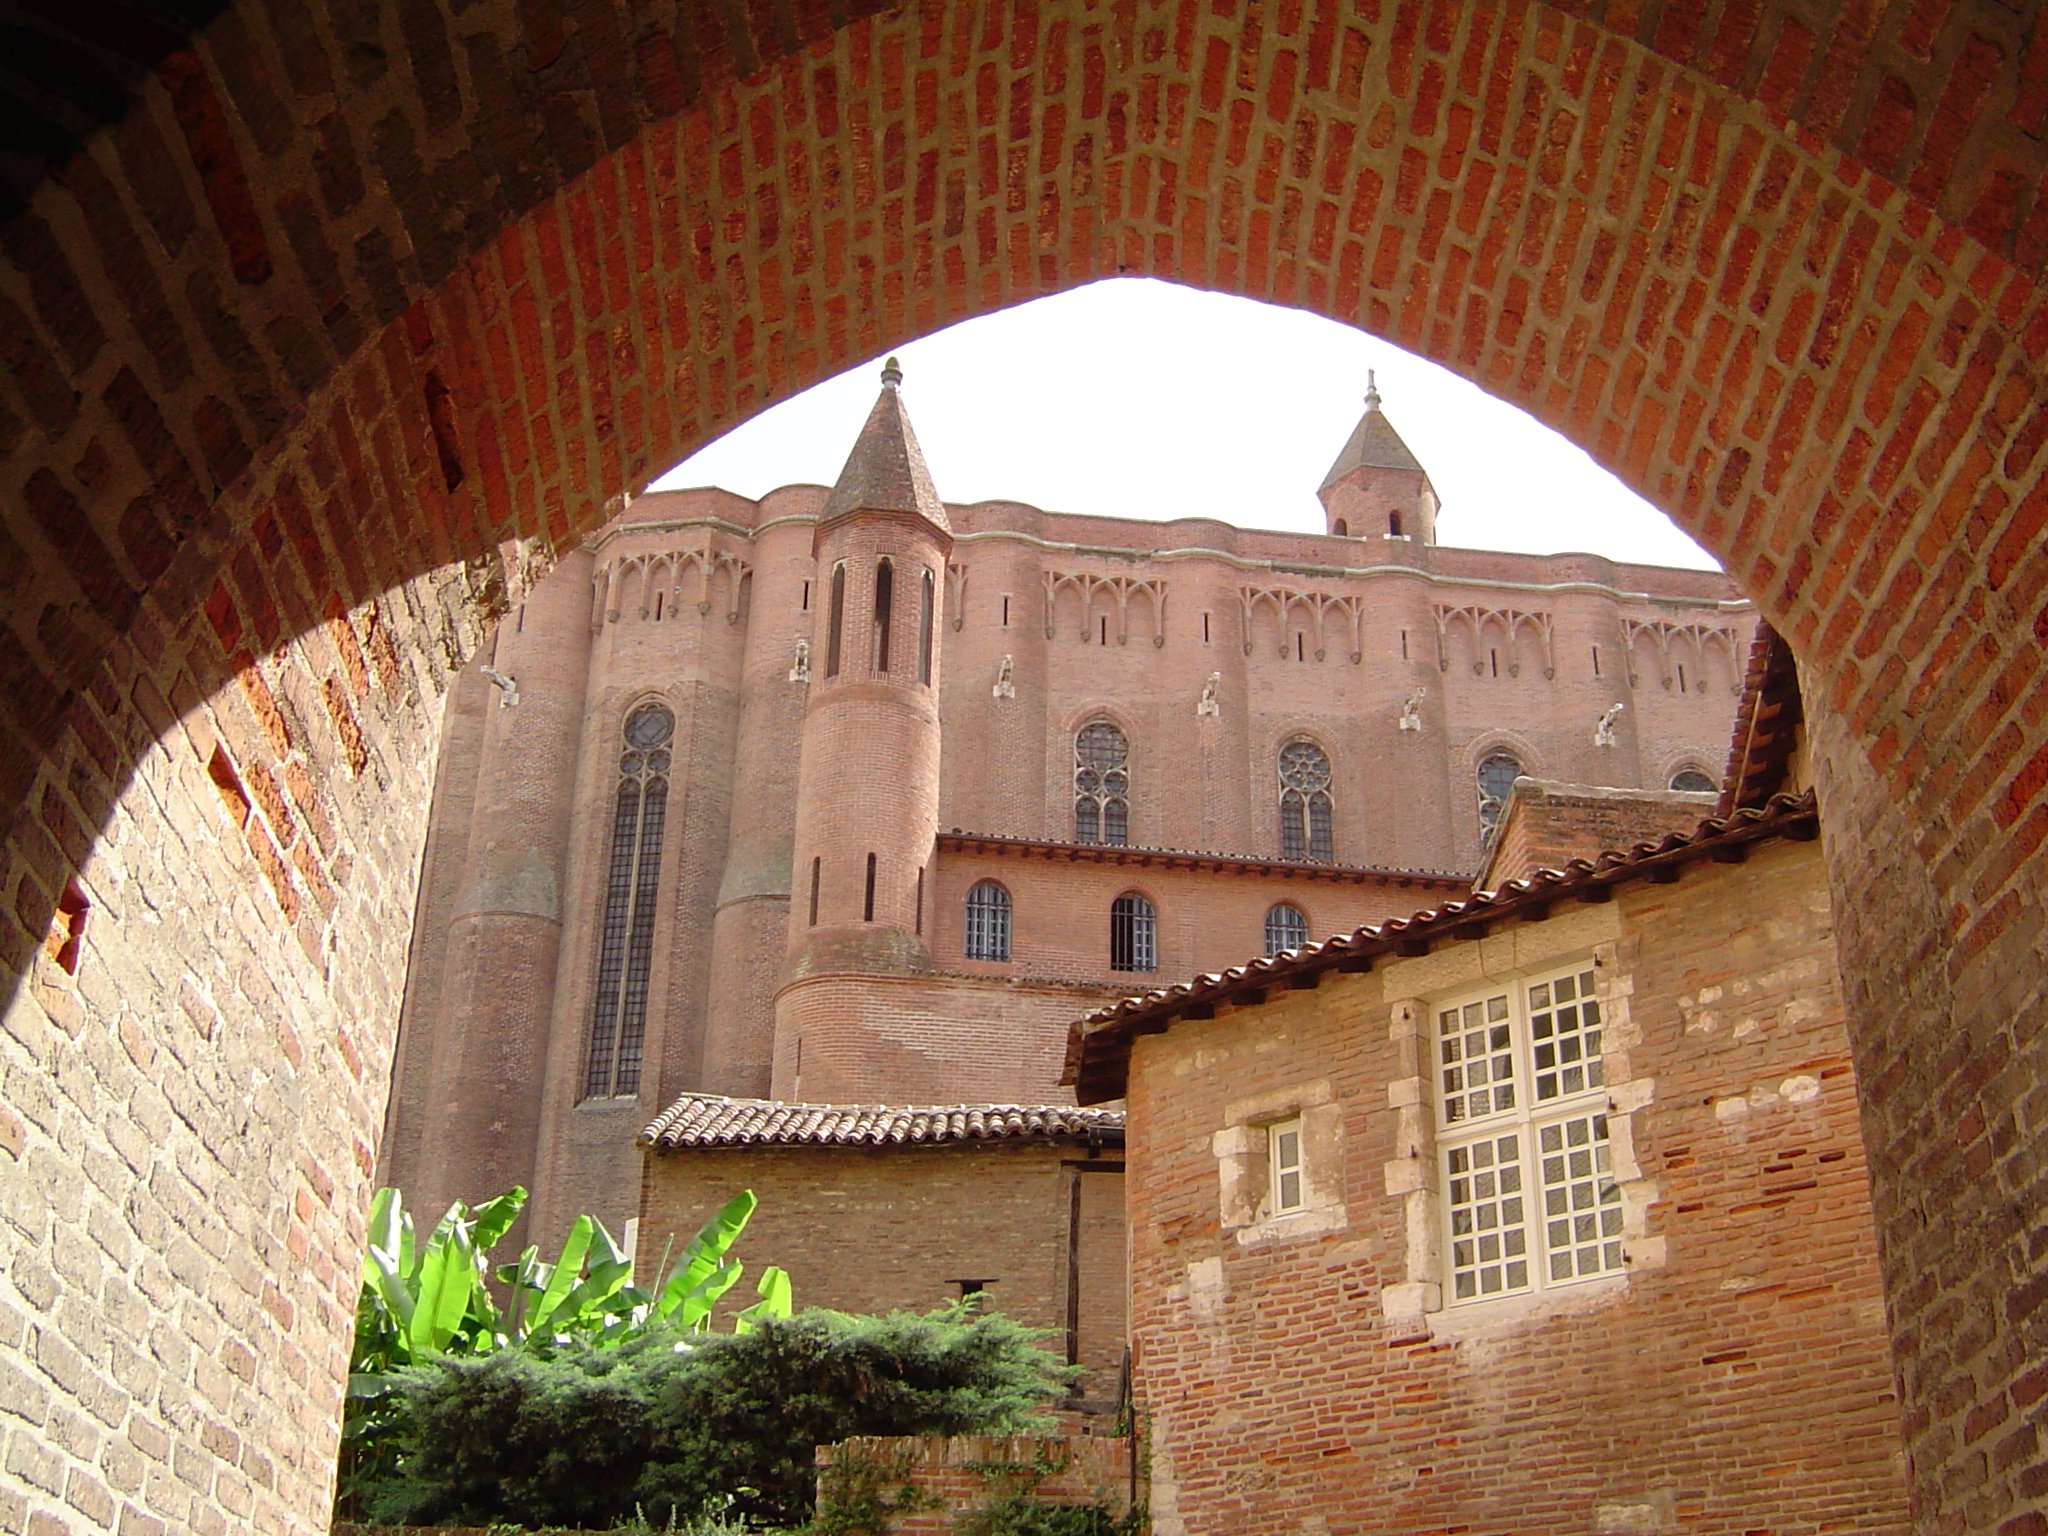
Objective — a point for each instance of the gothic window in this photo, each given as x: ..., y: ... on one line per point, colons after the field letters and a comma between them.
x: 926, y: 606
x: 1102, y: 785
x: 1286, y: 928
x: 836, y: 620
x: 1692, y: 782
x: 885, y: 590
x: 1497, y: 776
x: 1304, y: 802
x: 618, y: 1015
x: 988, y: 922
x: 1133, y: 934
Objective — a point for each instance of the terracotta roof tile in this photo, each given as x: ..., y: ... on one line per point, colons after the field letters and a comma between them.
x: 1098, y: 1045
x: 711, y: 1120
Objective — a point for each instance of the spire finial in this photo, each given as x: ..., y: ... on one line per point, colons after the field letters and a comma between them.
x: 892, y: 374
x: 1372, y: 392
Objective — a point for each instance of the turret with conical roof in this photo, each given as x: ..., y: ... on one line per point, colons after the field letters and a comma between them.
x: 868, y: 777
x: 1378, y: 487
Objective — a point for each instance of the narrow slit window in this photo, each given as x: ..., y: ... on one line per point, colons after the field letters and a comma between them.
x: 1283, y: 1183
x: 817, y: 865
x: 920, y: 904
x: 1596, y: 661
x: 1205, y: 629
x: 1394, y: 524
x: 657, y: 605
x: 618, y: 1019
x: 807, y: 597
x: 1006, y: 610
x: 927, y: 598
x: 835, y: 621
x: 868, y: 906
x: 1104, y: 622
x: 1681, y: 677
x: 1404, y: 645
x: 885, y: 593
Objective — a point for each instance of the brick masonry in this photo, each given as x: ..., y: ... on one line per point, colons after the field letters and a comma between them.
x: 948, y: 1482
x: 334, y: 309
x: 1735, y: 1378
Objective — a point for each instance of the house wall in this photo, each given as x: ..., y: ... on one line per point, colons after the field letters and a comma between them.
x: 883, y: 1229
x: 1734, y: 1378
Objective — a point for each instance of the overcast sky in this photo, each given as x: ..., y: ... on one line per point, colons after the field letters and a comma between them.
x: 1136, y: 398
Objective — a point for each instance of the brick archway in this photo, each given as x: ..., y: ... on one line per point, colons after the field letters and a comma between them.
x: 338, y: 325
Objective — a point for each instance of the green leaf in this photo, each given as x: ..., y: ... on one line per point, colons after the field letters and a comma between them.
x: 447, y: 1277
x: 568, y: 1268
x: 385, y: 1211
x: 776, y: 1297
x: 609, y: 1268
x: 390, y: 1286
x: 494, y: 1218
x: 705, y: 1254
x: 692, y: 1310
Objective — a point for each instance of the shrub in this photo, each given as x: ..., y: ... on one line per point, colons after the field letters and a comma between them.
x: 665, y: 1428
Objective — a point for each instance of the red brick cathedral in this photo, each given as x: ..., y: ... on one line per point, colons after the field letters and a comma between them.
x: 854, y: 796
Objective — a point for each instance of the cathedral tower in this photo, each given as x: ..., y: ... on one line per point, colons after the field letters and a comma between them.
x: 868, y: 776
x: 1377, y: 487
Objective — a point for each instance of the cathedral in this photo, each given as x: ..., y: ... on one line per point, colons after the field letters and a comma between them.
x: 851, y: 796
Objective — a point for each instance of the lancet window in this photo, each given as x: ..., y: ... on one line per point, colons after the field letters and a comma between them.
x: 618, y: 1015
x: 835, y: 620
x: 1305, y: 803
x: 885, y: 591
x: 1102, y: 785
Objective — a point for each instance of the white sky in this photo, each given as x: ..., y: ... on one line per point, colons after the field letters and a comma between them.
x: 1136, y: 398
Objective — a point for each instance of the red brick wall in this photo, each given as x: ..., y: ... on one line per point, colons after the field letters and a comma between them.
x: 351, y: 290
x: 945, y: 1483
x: 1735, y: 1380
x: 887, y: 1229
x: 1546, y: 825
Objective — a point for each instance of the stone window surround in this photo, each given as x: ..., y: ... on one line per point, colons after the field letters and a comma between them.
x: 1244, y: 1164
x: 1414, y: 1307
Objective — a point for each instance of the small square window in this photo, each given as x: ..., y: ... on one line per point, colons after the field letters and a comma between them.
x: 1283, y: 1148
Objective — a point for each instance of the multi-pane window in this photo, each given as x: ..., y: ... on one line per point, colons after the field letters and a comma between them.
x: 1102, y: 785
x: 1283, y: 1168
x: 618, y: 1013
x: 1522, y: 1119
x: 1692, y: 782
x: 1133, y: 934
x: 1286, y: 928
x: 988, y: 922
x: 1497, y: 776
x: 1304, y: 802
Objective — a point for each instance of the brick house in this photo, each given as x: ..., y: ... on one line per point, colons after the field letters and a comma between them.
x: 1545, y: 1210
x: 852, y: 796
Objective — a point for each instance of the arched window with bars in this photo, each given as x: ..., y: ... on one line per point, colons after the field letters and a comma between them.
x: 1286, y: 928
x: 1305, y: 803
x: 1692, y: 781
x: 987, y: 935
x: 1497, y: 775
x: 1133, y: 934
x: 618, y: 1012
x: 1102, y: 785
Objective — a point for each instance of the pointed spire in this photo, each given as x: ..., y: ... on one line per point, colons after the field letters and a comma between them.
x: 886, y: 470
x: 1373, y: 444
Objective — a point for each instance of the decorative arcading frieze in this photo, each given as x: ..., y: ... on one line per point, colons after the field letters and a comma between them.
x: 1507, y: 623
x: 1109, y: 595
x: 1671, y: 643
x: 657, y: 585
x: 1313, y: 610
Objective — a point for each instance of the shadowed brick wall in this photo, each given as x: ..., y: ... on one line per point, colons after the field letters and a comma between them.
x: 338, y: 302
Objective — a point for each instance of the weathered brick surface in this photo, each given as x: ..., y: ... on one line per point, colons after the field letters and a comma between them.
x: 892, y: 1228
x: 1735, y: 1380
x: 1546, y: 825
x: 334, y: 304
x: 949, y: 1482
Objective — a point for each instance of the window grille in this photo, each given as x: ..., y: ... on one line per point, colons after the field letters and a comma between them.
x: 1286, y: 928
x: 1497, y: 776
x: 1133, y: 936
x: 1102, y: 785
x: 1500, y: 1144
x: 836, y: 620
x: 885, y: 589
x: 1305, y: 802
x: 618, y: 1018
x: 927, y: 605
x: 988, y: 922
x: 1283, y: 1179
x: 1692, y: 782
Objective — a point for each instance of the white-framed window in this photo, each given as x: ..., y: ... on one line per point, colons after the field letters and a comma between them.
x: 1530, y: 1198
x: 1284, y: 1189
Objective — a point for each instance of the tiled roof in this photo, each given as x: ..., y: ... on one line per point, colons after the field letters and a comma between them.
x: 1766, y: 723
x: 1099, y: 1045
x: 886, y: 472
x: 957, y: 841
x: 1373, y: 444
x: 710, y: 1120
